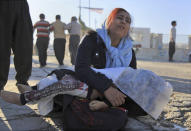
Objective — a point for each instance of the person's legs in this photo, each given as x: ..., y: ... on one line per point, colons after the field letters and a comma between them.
x: 7, y: 16
x: 77, y: 41
x: 59, y: 49
x: 73, y: 47
x: 39, y: 49
x: 171, y: 50
x: 44, y: 49
x: 23, y: 43
x: 68, y: 85
x: 42, y: 46
x: 34, y: 95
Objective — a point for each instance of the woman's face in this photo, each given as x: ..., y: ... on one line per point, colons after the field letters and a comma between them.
x: 120, y: 25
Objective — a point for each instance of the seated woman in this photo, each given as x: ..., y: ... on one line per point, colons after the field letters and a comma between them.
x: 108, y: 47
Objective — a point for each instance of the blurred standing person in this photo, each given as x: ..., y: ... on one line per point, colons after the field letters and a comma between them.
x: 16, y: 34
x: 74, y: 29
x: 42, y: 42
x: 172, y: 42
x: 58, y: 27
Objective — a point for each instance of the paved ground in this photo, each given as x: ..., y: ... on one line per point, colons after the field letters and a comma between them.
x: 18, y: 118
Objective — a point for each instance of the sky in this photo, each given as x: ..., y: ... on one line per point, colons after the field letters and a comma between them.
x: 154, y: 14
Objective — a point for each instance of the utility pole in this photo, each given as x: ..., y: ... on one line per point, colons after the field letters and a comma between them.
x: 95, y: 23
x: 89, y: 14
x: 79, y: 8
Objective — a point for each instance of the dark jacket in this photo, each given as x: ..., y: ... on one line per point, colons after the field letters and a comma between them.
x: 91, y: 53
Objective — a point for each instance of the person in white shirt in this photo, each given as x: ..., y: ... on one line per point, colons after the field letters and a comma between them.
x: 172, y: 40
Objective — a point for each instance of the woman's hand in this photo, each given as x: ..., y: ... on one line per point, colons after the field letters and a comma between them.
x: 114, y: 96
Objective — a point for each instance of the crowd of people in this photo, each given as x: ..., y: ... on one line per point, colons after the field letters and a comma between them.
x: 44, y: 28
x: 102, y: 49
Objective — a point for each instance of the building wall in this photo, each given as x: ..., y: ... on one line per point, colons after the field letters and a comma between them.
x: 141, y: 36
x: 189, y: 42
x: 181, y: 55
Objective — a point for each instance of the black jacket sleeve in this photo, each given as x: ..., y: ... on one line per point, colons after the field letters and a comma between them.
x: 83, y: 66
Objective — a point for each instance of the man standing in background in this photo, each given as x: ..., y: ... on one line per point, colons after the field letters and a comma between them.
x: 16, y: 34
x: 59, y: 39
x: 172, y: 40
x: 42, y: 41
x: 74, y: 29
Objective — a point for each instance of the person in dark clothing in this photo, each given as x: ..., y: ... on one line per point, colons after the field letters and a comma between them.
x: 43, y: 31
x: 15, y: 34
x: 172, y: 42
x: 108, y: 47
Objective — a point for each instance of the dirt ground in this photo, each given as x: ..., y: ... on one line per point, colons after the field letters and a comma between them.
x: 179, y: 75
